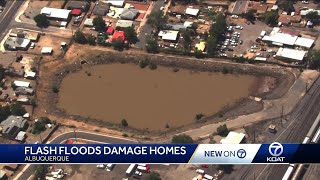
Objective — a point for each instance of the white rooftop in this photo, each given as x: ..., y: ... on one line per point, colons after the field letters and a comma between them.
x: 46, y: 50
x: 281, y: 38
x: 21, y: 135
x: 21, y: 83
x: 291, y: 54
x: 124, y: 23
x: 233, y: 138
x: 88, y: 22
x: 118, y: 3
x: 187, y: 24
x: 192, y: 11
x: 169, y: 35
x: 304, y: 42
x: 56, y: 13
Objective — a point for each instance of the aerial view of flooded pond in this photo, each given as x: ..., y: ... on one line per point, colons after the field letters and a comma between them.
x: 149, y: 99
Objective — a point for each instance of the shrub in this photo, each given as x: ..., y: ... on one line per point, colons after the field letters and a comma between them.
x: 223, y: 130
x: 144, y: 63
x: 124, y: 123
x: 181, y: 138
x: 153, y: 66
x: 199, y: 116
x: 225, y: 70
x: 55, y: 89
x: 38, y: 127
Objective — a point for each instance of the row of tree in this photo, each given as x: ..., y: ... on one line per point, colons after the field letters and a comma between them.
x: 12, y: 109
x: 216, y: 33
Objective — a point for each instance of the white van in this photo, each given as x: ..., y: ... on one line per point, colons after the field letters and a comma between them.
x: 208, y: 177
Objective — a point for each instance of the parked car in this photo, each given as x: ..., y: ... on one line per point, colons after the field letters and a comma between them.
x: 235, y: 16
x: 239, y: 27
x: 200, y: 171
x: 240, y: 42
x: 100, y: 166
x: 138, y: 173
x: 32, y: 45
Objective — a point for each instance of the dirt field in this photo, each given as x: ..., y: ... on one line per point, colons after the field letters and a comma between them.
x: 55, y: 4
x: 50, y: 41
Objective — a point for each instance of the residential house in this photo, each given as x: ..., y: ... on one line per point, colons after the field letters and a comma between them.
x: 124, y: 23
x: 13, y: 125
x: 240, y: 7
x: 288, y: 19
x: 118, y: 35
x: 88, y: 22
x: 260, y: 8
x: 24, y: 91
x: 56, y: 14
x: 13, y: 72
x: 129, y: 14
x: 169, y: 35
x: 116, y: 3
x: 192, y: 11
x: 16, y: 43
x: 101, y: 9
x: 83, y: 5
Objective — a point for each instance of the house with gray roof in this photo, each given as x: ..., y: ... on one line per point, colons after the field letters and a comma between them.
x: 129, y: 14
x: 101, y: 9
x: 13, y: 125
x: 16, y: 43
x: 24, y: 91
x: 124, y: 23
x: 72, y: 4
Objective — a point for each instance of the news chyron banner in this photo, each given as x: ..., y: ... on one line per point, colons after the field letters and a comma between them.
x: 159, y: 153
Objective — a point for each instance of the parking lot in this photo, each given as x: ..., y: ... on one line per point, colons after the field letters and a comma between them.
x: 166, y: 171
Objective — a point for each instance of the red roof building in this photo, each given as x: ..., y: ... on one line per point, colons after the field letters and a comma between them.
x: 110, y: 30
x: 76, y: 12
x: 118, y: 35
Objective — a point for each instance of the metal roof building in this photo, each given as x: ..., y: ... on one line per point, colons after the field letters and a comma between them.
x: 233, y: 138
x: 304, y: 42
x: 61, y: 14
x: 291, y: 54
x: 129, y: 14
x: 169, y: 35
x: 124, y: 23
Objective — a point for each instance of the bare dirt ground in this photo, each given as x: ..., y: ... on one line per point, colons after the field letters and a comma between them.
x: 50, y: 41
x: 79, y: 52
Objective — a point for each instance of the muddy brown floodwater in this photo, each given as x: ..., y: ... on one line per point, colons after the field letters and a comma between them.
x: 149, y: 98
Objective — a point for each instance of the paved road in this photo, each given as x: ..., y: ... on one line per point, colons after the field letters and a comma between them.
x: 8, y: 15
x: 298, y: 126
x: 79, y: 134
x: 147, y: 29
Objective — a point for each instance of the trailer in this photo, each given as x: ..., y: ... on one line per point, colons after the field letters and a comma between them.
x: 131, y: 169
x: 288, y: 173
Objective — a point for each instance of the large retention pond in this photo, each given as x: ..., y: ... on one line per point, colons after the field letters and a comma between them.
x: 149, y: 98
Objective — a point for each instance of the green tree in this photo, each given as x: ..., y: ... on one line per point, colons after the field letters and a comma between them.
x: 1, y: 72
x: 314, y: 59
x: 312, y: 16
x: 124, y: 123
x: 4, y: 112
x: 212, y: 45
x: 41, y: 20
x: 181, y: 138
x: 91, y: 40
x: 156, y: 19
x: 287, y: 6
x: 40, y: 171
x: 118, y: 44
x: 17, y: 109
x: 152, y: 45
x: 271, y: 18
x: 55, y: 89
x: 223, y: 130
x: 250, y: 15
x: 186, y: 34
x: 154, y: 176
x: 130, y: 35
x: 38, y: 127
x: 199, y: 116
x: 99, y: 24
x: 79, y: 37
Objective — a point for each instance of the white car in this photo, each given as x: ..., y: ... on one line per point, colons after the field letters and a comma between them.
x: 138, y: 173
x: 239, y: 27
x: 32, y: 45
x: 235, y: 16
x: 100, y: 166
x: 200, y: 171
x: 305, y: 2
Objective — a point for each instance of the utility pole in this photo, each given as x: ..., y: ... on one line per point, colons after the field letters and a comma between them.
x: 306, y: 87
x: 40, y: 138
x: 281, y: 116
x: 254, y: 135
